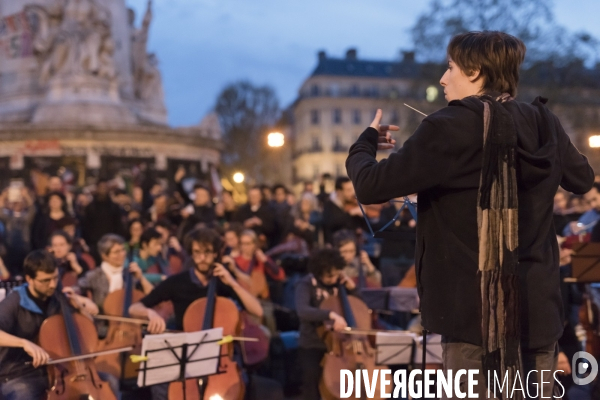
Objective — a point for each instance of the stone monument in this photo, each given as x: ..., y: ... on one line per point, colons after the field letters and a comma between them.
x: 77, y: 82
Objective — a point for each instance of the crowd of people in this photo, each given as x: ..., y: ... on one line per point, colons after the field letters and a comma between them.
x: 169, y: 239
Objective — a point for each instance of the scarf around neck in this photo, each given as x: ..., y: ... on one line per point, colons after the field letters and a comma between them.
x: 497, y: 219
x: 114, y: 275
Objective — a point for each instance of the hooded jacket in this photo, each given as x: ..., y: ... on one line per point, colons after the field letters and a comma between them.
x: 441, y: 162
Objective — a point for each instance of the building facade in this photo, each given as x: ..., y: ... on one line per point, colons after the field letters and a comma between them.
x: 339, y: 99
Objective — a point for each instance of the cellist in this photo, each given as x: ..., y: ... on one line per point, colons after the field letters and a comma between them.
x: 182, y: 289
x: 21, y: 315
x: 326, y: 267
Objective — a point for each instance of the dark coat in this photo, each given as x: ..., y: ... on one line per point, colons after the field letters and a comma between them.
x: 442, y: 163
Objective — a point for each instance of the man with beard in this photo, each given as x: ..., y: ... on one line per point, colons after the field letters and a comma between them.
x: 203, y: 246
x: 21, y: 315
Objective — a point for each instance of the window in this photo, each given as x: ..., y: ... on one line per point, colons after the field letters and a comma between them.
x: 314, y: 90
x: 316, y: 144
x: 339, y: 170
x: 354, y: 90
x: 314, y: 117
x: 337, y: 116
x: 337, y: 142
x: 315, y: 171
x: 334, y: 89
x: 356, y: 117
x: 374, y: 91
x: 395, y: 118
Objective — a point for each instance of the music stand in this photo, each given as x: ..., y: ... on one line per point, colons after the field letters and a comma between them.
x: 433, y: 350
x: 179, y: 356
x: 395, y: 348
x: 585, y: 262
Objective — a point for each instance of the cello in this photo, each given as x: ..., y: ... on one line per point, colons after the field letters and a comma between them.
x: 66, y: 335
x: 348, y: 351
x: 206, y: 313
x: 121, y: 334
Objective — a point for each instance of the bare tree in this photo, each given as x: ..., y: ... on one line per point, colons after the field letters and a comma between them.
x: 245, y: 112
x: 530, y: 20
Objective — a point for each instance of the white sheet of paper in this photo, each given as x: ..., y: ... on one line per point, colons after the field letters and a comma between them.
x: 165, y: 365
x: 394, y: 347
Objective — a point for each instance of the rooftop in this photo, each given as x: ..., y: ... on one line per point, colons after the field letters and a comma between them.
x: 352, y: 66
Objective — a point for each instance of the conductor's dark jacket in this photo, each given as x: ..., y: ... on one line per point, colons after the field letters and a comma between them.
x: 441, y: 162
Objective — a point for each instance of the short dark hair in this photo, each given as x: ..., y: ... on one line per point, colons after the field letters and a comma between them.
x: 322, y: 261
x: 342, y: 237
x: 163, y: 223
x: 497, y: 55
x: 66, y: 221
x: 279, y: 186
x: 148, y: 235
x: 235, y: 227
x: 38, y: 260
x: 203, y: 236
x: 339, y: 182
x: 60, y: 233
x: 201, y: 186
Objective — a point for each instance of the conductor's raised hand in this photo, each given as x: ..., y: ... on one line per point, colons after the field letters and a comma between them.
x: 385, y: 141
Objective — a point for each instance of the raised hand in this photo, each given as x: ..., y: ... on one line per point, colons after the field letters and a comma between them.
x: 385, y: 141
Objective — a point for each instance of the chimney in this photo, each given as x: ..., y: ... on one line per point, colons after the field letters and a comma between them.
x: 322, y: 55
x: 351, y: 54
x: 408, y: 56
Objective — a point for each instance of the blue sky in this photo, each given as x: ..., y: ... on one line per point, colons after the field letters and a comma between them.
x: 202, y: 45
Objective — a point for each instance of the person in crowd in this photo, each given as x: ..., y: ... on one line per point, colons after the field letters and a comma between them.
x: 326, y: 268
x: 345, y: 242
x: 135, y: 228
x: 172, y: 254
x: 482, y: 221
x: 204, y: 246
x: 253, y: 259
x: 102, y: 216
x: 258, y: 216
x: 282, y: 211
x: 16, y: 214
x: 60, y: 246
x: 228, y: 207
x: 231, y: 236
x: 561, y: 217
x: 109, y: 277
x: 589, y: 219
x: 147, y: 256
x: 47, y: 219
x: 307, y: 218
x: 22, y: 312
x: 198, y: 211
x: 341, y: 211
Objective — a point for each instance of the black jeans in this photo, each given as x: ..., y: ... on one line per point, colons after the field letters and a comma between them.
x: 458, y: 355
x: 310, y: 365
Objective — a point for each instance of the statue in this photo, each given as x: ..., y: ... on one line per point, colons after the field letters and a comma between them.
x: 150, y: 85
x: 73, y: 37
x: 139, y: 53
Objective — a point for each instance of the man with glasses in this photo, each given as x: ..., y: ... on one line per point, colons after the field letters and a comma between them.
x: 203, y: 246
x: 21, y: 315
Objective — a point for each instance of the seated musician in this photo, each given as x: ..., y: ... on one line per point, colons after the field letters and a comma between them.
x: 21, y: 315
x: 345, y: 242
x: 60, y: 246
x: 184, y: 288
x: 108, y: 277
x: 326, y: 268
x: 147, y: 255
x: 252, y: 258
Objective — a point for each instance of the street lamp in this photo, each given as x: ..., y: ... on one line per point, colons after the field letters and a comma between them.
x: 238, y: 177
x: 595, y: 141
x: 275, y: 139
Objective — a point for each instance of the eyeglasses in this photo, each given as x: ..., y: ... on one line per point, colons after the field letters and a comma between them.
x: 48, y: 280
x: 205, y: 253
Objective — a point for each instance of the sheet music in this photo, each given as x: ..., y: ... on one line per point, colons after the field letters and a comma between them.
x: 394, y: 347
x: 163, y: 364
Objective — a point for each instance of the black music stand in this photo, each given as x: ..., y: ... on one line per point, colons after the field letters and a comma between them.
x: 585, y: 262
x: 175, y: 357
